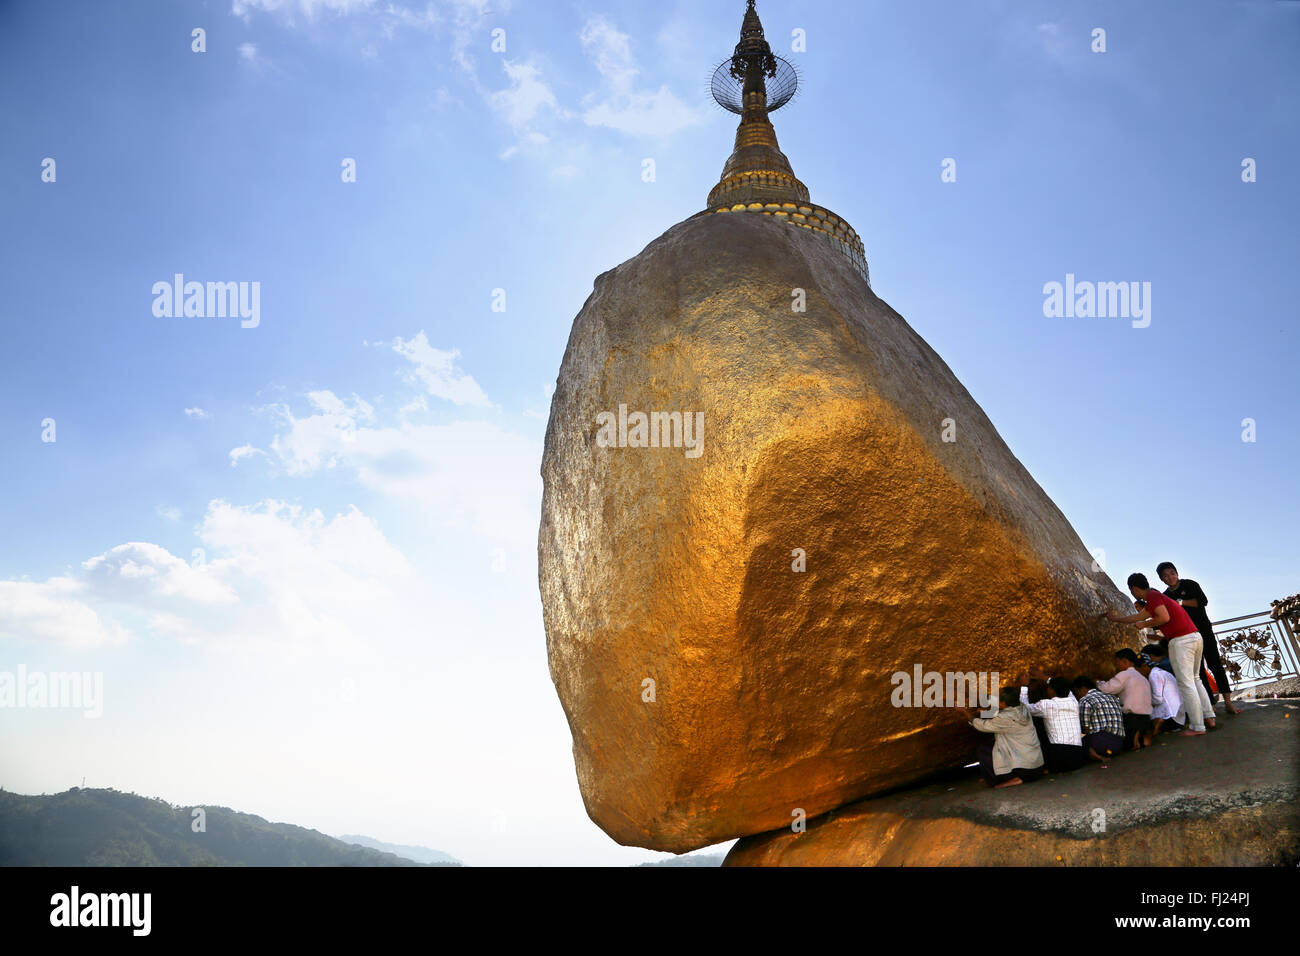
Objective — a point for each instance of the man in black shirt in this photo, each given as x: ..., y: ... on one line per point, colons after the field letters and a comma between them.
x: 1189, y: 594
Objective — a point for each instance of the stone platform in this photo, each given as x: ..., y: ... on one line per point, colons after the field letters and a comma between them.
x: 1230, y: 798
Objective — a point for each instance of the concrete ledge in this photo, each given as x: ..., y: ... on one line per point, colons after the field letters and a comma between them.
x: 1229, y: 798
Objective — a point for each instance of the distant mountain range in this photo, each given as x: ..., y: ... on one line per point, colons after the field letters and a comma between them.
x: 111, y: 828
x: 417, y: 854
x: 83, y: 827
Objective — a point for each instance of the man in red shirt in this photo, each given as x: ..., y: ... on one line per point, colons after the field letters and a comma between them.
x: 1185, y: 645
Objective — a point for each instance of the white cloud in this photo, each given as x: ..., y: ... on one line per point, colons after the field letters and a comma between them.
x: 333, y: 637
x: 630, y: 111
x: 1053, y: 43
x: 417, y: 404
x: 290, y: 579
x: 307, y: 8
x: 526, y: 97
x: 139, y: 569
x: 277, y: 577
x: 462, y: 18
x: 467, y: 474
x: 436, y: 370
x: 547, y: 390
x: 170, y: 512
x: 303, y: 582
x: 314, y: 442
x: 425, y: 19
x: 443, y: 98
x: 196, y: 413
x: 242, y: 452
x: 53, y: 611
x: 248, y: 51
x: 467, y: 19
x: 611, y: 51
x: 644, y: 114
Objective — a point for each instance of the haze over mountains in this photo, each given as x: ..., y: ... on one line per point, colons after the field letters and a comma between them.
x: 106, y: 827
x: 110, y: 828
x: 690, y: 859
x: 417, y: 854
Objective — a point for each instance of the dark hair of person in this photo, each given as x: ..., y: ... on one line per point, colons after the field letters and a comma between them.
x: 1082, y: 681
x: 1060, y: 686
x: 1138, y: 580
x: 1153, y: 650
x: 1037, y: 690
x: 1127, y: 655
x: 1010, y: 696
x: 1165, y: 566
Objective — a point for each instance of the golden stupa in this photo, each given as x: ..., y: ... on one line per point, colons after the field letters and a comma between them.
x: 757, y: 176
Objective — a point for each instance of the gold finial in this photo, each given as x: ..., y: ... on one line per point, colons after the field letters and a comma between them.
x: 757, y: 170
x: 757, y: 177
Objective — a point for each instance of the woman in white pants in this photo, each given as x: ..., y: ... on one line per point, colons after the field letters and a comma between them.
x: 1207, y: 707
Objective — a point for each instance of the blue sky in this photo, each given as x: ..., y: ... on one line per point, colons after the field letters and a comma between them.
x: 358, y: 646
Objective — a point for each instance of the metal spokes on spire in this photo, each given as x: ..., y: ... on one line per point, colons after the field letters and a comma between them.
x: 729, y: 91
x: 753, y: 68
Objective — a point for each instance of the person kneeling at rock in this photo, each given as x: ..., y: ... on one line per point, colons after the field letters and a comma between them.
x: 1165, y: 686
x: 1102, y: 720
x: 1063, y: 750
x: 1134, y: 693
x: 1014, y: 756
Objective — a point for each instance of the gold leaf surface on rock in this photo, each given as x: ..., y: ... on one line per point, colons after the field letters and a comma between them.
x: 822, y: 432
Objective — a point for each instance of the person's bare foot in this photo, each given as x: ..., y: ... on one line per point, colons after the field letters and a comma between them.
x: 1093, y: 755
x: 1232, y: 708
x: 1210, y: 723
x: 1192, y: 733
x: 1013, y: 782
x: 1146, y: 740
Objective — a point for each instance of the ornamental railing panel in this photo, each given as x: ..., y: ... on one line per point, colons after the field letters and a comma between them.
x: 1261, y: 648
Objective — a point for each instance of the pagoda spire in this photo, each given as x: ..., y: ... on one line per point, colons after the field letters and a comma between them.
x: 757, y: 170
x: 757, y: 177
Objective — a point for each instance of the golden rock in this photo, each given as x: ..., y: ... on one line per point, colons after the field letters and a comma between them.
x: 726, y: 609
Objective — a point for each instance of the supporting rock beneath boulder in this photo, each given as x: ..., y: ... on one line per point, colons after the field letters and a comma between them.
x: 1226, y: 799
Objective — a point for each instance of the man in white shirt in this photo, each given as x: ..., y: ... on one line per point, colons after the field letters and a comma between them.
x: 1166, y: 698
x: 1063, y: 750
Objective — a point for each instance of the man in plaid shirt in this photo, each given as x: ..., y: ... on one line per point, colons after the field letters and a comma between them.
x: 1102, y: 719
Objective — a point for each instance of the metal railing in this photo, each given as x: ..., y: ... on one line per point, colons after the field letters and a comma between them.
x: 1259, y: 648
